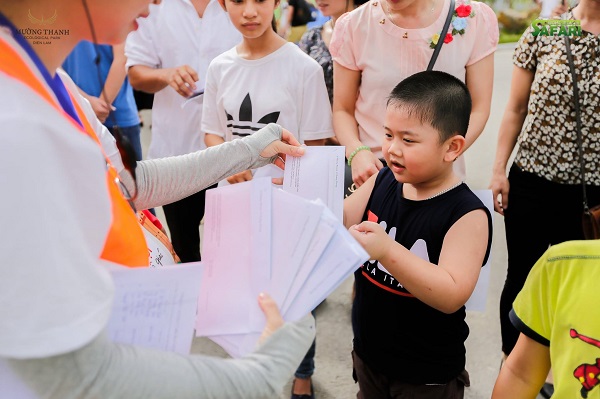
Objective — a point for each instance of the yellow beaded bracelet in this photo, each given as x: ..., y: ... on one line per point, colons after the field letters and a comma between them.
x: 362, y: 147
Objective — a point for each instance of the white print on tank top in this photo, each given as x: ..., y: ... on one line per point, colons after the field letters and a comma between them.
x: 383, y: 276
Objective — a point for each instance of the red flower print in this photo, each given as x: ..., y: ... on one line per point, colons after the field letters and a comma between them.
x: 448, y: 38
x: 463, y: 11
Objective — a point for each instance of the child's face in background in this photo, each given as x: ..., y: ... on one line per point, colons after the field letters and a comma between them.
x: 412, y: 149
x: 251, y: 17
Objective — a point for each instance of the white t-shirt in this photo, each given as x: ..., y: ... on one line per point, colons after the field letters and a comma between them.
x: 55, y: 295
x: 174, y: 35
x: 285, y: 87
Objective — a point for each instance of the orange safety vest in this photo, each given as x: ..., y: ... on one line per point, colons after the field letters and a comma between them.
x: 125, y: 243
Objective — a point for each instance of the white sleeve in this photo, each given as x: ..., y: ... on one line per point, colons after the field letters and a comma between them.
x: 140, y: 45
x: 107, y: 141
x: 102, y: 369
x: 214, y: 120
x: 54, y: 295
x: 315, y: 118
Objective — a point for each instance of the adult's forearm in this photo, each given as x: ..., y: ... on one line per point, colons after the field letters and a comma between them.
x: 116, y: 75
x: 510, y: 128
x: 166, y: 180
x: 477, y: 123
x: 103, y: 369
x: 346, y: 130
x: 146, y: 79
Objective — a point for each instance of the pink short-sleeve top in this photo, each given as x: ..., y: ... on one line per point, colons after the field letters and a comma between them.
x: 365, y: 40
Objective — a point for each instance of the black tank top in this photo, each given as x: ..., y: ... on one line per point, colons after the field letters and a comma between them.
x: 396, y: 334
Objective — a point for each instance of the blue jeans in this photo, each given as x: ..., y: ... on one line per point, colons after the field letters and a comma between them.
x: 133, y: 135
x: 307, y: 367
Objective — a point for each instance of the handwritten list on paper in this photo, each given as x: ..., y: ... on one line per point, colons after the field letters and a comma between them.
x: 156, y: 308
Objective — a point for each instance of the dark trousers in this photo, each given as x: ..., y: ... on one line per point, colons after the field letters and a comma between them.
x: 307, y: 366
x: 183, y: 218
x: 373, y: 385
x: 540, y: 213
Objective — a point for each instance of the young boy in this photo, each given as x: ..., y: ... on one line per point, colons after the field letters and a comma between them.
x: 556, y: 313
x: 428, y: 236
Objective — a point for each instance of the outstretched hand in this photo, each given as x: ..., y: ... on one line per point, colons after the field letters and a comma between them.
x: 272, y: 313
x: 182, y: 79
x: 373, y: 238
x: 288, y: 145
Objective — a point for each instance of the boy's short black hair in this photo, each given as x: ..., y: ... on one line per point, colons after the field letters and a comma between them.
x: 436, y: 98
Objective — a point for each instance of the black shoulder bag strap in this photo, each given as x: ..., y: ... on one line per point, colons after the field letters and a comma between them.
x: 586, y: 209
x: 440, y: 42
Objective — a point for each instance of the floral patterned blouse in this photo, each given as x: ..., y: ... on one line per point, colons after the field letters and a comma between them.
x: 312, y: 44
x: 548, y: 139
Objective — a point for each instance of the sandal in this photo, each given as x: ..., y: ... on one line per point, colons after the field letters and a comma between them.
x: 303, y: 396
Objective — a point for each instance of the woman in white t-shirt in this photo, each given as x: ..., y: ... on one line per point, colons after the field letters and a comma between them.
x: 264, y: 79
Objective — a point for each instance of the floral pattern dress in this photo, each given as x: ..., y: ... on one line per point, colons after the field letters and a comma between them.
x: 312, y: 43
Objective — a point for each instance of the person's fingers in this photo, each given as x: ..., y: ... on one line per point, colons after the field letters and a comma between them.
x: 103, y: 104
x: 279, y: 162
x: 192, y: 73
x: 277, y: 180
x: 247, y: 175
x: 498, y: 204
x: 288, y: 137
x: 281, y: 148
x: 378, y: 164
x: 504, y: 199
x: 272, y: 314
x: 188, y: 80
x: 293, y: 150
x: 180, y: 86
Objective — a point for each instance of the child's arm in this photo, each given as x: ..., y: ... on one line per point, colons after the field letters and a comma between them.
x: 524, y: 372
x: 447, y: 286
x: 212, y: 140
x: 355, y: 204
x: 315, y: 142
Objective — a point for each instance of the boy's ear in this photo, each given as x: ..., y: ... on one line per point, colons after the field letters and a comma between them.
x: 454, y: 147
x: 222, y: 3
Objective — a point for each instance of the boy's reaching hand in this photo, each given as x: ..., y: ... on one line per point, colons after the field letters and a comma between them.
x: 373, y: 239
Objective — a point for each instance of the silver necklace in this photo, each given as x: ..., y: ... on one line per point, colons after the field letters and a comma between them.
x: 444, y: 191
